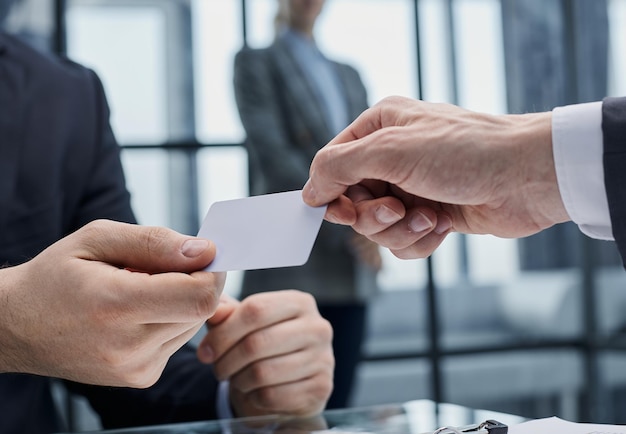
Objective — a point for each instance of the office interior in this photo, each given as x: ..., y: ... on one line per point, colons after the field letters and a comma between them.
x: 535, y: 327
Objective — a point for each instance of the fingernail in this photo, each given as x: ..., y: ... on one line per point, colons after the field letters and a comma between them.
x: 443, y: 224
x: 386, y: 215
x: 308, y: 193
x: 206, y: 353
x: 419, y: 223
x: 194, y: 247
x: 330, y: 217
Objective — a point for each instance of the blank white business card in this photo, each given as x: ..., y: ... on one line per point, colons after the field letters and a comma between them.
x: 268, y: 231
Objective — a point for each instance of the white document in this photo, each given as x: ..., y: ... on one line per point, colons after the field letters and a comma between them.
x: 554, y: 425
x: 269, y: 231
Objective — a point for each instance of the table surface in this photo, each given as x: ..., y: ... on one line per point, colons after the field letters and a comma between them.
x: 413, y: 417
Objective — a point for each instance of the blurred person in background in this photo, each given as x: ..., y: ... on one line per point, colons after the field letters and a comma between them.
x: 292, y: 100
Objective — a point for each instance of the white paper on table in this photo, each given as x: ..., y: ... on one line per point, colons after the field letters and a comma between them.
x: 267, y: 231
x: 554, y: 425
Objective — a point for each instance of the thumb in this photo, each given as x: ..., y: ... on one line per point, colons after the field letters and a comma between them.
x: 145, y: 248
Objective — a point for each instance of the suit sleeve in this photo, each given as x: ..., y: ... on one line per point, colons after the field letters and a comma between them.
x: 104, y: 194
x: 185, y: 392
x: 614, y: 138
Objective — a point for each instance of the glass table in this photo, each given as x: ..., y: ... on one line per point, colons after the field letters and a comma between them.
x: 413, y: 417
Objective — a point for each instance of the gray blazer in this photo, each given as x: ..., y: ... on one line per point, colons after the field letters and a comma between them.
x: 285, y: 127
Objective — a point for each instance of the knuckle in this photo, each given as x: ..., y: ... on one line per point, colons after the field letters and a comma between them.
x: 260, y: 373
x: 391, y: 242
x: 412, y: 252
x: 323, y: 388
x: 253, y: 343
x: 143, y: 377
x: 206, y: 304
x: 266, y: 397
x: 322, y: 329
x: 108, y: 312
x: 124, y: 351
x: 301, y: 298
x: 95, y: 226
x: 253, y: 309
x: 326, y: 160
x: 154, y: 239
x: 145, y: 373
x: 93, y: 232
x: 325, y: 330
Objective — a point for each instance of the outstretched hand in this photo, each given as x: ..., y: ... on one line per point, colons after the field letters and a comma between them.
x: 406, y: 173
x: 107, y: 305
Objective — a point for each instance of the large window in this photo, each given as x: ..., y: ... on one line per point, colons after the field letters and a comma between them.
x: 167, y: 68
x: 529, y: 307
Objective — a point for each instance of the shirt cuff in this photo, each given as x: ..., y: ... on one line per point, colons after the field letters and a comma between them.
x: 226, y: 416
x: 223, y: 401
x: 578, y: 151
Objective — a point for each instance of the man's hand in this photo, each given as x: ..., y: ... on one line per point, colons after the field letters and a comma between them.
x: 275, y: 349
x: 406, y: 173
x: 106, y: 305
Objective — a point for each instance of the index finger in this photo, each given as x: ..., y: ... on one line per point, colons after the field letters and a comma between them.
x: 160, y: 298
x: 365, y: 124
x: 379, y: 156
x: 375, y: 146
x: 253, y: 313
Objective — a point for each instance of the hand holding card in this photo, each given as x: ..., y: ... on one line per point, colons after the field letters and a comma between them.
x: 269, y: 231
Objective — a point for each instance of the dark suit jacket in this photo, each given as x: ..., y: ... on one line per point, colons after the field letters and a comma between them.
x: 59, y: 169
x: 285, y: 127
x: 614, y: 133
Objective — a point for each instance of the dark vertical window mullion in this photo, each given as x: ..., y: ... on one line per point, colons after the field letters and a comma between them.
x: 244, y: 22
x: 593, y: 408
x: 60, y: 31
x: 431, y: 289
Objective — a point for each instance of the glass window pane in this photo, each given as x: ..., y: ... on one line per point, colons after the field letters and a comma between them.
x: 380, y: 43
x: 125, y: 45
x: 146, y: 178
x: 617, y: 45
x: 434, y: 45
x: 222, y: 175
x: 216, y: 37
x: 260, y: 18
x: 479, y: 51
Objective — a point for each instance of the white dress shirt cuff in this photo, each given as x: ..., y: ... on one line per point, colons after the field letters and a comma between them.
x: 223, y: 401
x: 578, y: 149
x: 225, y: 414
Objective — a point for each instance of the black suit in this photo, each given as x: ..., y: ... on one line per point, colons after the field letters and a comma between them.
x: 614, y: 133
x: 60, y: 169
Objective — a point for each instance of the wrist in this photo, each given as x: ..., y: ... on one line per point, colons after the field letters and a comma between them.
x: 537, y: 175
